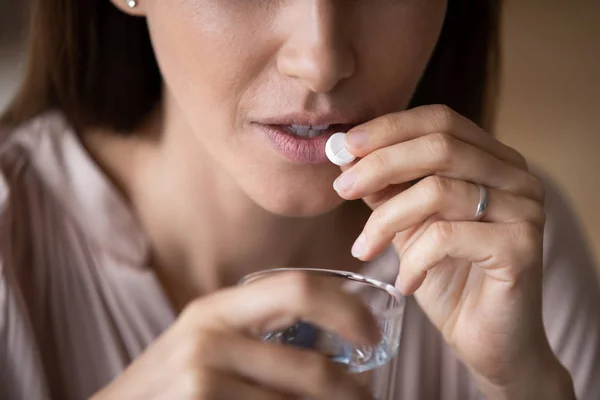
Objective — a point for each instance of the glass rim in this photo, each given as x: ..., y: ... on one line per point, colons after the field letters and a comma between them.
x: 391, y: 290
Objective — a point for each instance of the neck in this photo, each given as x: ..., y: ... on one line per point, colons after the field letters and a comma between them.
x: 205, y: 232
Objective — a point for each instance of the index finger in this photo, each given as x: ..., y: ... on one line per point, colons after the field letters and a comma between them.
x: 280, y: 300
x: 406, y: 125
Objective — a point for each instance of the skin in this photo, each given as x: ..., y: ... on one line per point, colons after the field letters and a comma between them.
x: 200, y: 180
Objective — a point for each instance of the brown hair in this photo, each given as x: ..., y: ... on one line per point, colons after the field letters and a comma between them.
x: 96, y: 64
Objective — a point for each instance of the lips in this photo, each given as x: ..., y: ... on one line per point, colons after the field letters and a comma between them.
x: 301, y: 138
x: 296, y: 149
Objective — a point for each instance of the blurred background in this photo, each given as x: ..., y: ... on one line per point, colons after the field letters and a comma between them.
x: 549, y: 100
x: 550, y: 96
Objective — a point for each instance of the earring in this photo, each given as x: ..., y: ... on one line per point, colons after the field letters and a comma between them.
x: 131, y: 3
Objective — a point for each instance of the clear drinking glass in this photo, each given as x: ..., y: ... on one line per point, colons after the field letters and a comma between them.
x: 371, y: 364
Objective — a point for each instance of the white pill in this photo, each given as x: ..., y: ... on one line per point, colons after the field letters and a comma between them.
x: 336, y: 150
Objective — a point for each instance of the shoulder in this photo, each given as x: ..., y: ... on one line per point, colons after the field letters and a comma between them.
x: 31, y: 134
x: 22, y: 212
x: 24, y: 181
x: 571, y: 293
x: 26, y: 149
x: 570, y: 269
x: 27, y: 146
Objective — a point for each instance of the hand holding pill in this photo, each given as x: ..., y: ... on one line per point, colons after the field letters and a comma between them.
x: 470, y: 227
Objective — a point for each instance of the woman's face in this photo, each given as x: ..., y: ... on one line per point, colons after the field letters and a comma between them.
x: 242, y: 72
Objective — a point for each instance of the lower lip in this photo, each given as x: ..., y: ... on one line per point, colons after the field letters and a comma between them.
x: 296, y: 149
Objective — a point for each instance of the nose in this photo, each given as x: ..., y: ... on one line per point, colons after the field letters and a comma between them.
x: 317, y: 50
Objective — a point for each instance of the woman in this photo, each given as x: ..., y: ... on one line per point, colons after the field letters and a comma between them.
x: 157, y: 153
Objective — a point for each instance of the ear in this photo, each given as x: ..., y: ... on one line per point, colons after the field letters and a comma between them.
x: 131, y: 7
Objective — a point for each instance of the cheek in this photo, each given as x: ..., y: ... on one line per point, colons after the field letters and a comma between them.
x: 189, y: 38
x: 395, y: 44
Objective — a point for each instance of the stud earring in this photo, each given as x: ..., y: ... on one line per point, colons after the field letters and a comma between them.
x: 131, y: 3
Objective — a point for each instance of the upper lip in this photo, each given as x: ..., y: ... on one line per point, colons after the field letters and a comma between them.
x: 312, y: 119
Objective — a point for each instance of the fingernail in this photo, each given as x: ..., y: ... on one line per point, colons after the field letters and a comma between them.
x: 345, y: 181
x: 358, y: 248
x: 357, y: 138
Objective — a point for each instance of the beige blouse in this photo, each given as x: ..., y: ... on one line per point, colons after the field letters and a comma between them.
x: 78, y: 302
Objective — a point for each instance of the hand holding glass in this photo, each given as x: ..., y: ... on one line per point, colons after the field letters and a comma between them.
x: 386, y: 304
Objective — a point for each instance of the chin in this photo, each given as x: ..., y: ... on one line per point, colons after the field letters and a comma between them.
x: 297, y: 209
x: 295, y: 200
